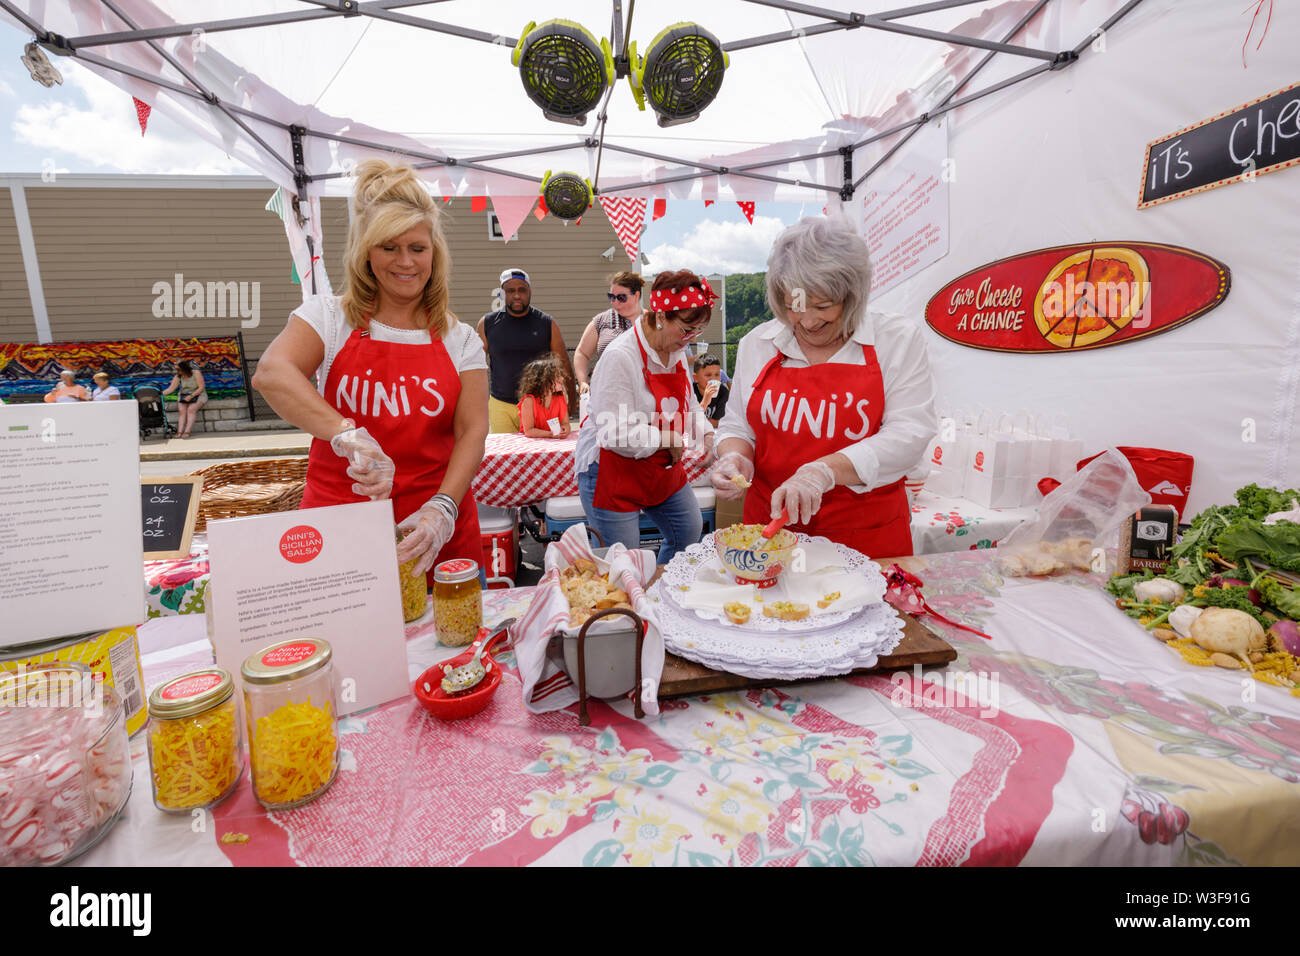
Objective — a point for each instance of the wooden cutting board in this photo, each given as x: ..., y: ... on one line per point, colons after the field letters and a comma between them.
x: 918, y: 646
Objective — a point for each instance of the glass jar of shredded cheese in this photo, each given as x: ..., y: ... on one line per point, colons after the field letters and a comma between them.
x: 415, y: 588
x: 292, y: 718
x: 195, y: 754
x: 457, y: 602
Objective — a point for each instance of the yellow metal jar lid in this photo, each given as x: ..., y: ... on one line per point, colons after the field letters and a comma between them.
x: 287, y: 660
x: 191, y: 693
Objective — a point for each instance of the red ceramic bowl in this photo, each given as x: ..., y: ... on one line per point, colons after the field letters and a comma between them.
x: 445, y: 707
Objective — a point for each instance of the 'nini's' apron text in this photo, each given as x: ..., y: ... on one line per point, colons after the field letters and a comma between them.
x: 405, y: 395
x: 803, y: 414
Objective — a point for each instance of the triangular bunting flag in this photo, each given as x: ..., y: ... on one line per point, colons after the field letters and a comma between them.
x: 541, y: 211
x: 627, y: 216
x: 511, y: 211
x: 661, y: 207
x: 478, y: 203
x: 708, y: 203
x: 278, y: 204
x: 142, y: 111
x: 748, y: 209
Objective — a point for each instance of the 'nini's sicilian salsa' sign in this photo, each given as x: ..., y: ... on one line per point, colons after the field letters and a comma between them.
x: 1071, y: 298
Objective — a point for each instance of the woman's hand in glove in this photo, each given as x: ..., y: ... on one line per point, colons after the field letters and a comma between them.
x: 428, y: 530
x: 801, y: 495
x: 731, y: 466
x: 368, y: 466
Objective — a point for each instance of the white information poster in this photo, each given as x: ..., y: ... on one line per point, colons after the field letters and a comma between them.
x: 904, y: 208
x: 71, y: 546
x: 328, y: 573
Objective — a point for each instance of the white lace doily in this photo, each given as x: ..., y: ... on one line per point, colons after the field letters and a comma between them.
x: 874, y: 630
x: 680, y: 575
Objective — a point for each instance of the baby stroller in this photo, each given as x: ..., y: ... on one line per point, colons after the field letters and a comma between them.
x: 152, y: 416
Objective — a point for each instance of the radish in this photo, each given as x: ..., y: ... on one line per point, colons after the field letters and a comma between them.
x: 1287, y: 634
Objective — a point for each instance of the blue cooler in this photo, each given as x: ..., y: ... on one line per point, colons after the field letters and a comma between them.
x: 564, y: 512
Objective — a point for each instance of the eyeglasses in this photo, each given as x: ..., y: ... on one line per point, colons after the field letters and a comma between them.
x: 692, y: 331
x: 619, y: 296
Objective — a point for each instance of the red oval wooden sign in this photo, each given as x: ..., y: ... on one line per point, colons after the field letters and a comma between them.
x: 1073, y: 298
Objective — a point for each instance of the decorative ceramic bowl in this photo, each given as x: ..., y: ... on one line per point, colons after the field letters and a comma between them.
x: 428, y: 687
x: 735, y: 547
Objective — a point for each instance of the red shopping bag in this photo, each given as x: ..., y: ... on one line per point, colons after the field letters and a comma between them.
x: 1166, y: 475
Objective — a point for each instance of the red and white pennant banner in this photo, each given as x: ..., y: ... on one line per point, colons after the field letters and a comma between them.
x: 627, y: 216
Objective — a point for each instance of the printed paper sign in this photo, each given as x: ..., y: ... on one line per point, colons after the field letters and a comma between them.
x: 904, y: 209
x: 326, y: 573
x: 71, y: 556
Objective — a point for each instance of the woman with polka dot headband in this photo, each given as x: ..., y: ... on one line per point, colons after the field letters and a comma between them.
x: 641, y: 417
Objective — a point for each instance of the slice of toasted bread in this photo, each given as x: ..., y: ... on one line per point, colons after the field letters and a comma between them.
x: 828, y: 600
x: 787, y: 610
x: 740, y: 481
x: 736, y: 611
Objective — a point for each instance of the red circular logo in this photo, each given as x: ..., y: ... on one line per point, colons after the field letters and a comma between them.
x: 457, y: 566
x: 191, y: 686
x: 301, y: 543
x: 979, y: 458
x: 289, y: 654
x: 938, y: 453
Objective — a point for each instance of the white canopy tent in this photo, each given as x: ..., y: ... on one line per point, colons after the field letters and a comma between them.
x: 815, y: 102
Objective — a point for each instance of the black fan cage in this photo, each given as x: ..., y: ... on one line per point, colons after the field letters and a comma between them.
x: 563, y: 74
x: 566, y: 197
x: 684, y: 75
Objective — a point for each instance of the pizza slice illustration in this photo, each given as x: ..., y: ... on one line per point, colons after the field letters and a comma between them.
x: 1090, y: 295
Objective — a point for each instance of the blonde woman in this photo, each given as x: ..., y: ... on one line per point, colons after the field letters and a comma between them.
x: 400, y: 408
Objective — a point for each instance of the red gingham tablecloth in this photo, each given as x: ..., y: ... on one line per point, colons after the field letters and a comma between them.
x: 518, y: 470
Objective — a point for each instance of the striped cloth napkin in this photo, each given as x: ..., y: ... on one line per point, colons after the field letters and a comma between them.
x: 547, y: 686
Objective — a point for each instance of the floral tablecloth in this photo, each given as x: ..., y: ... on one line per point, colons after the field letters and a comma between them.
x: 959, y: 524
x: 178, y: 585
x: 1071, y: 738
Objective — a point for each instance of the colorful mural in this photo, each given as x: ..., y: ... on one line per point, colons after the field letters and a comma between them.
x: 32, y: 369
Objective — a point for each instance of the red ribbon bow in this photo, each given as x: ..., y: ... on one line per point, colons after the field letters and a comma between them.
x: 905, y: 594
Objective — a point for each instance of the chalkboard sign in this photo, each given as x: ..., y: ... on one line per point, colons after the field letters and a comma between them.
x: 1256, y: 138
x: 168, y: 509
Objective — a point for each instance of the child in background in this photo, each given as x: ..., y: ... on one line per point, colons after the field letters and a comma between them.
x: 543, y: 407
x: 709, y: 390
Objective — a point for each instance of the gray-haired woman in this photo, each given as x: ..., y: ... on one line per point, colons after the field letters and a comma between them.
x: 830, y: 407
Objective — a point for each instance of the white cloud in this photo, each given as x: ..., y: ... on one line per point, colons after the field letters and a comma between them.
x: 106, y: 133
x: 6, y: 90
x: 725, y: 247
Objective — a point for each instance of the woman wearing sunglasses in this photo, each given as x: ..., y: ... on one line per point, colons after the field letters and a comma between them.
x: 641, y: 417
x: 624, y: 309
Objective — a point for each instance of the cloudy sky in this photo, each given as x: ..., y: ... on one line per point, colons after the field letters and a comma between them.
x: 87, y: 125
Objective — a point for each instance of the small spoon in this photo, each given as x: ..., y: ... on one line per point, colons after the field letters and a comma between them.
x: 457, y: 680
x: 773, y: 527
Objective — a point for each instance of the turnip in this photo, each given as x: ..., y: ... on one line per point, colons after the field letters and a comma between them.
x: 1287, y: 634
x: 1162, y: 589
x: 1229, y: 631
x: 1182, y: 617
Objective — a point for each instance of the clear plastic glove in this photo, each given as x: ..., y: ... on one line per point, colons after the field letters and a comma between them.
x: 706, y: 447
x: 368, y: 466
x: 583, y: 388
x: 673, y: 442
x: 802, y: 492
x: 731, y: 466
x: 427, y: 531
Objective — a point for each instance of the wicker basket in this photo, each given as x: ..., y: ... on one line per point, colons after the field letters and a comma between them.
x: 237, y: 489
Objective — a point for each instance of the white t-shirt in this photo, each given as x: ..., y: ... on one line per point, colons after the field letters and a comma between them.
x: 105, y: 394
x: 909, y: 422
x: 324, y: 313
x: 620, y: 405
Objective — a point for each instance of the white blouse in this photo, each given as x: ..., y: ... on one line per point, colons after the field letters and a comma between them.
x: 909, y: 422
x: 620, y: 404
x: 324, y: 313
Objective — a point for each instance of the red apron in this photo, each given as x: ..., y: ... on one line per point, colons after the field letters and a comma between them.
x: 630, y: 484
x: 802, y: 414
x: 405, y: 396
